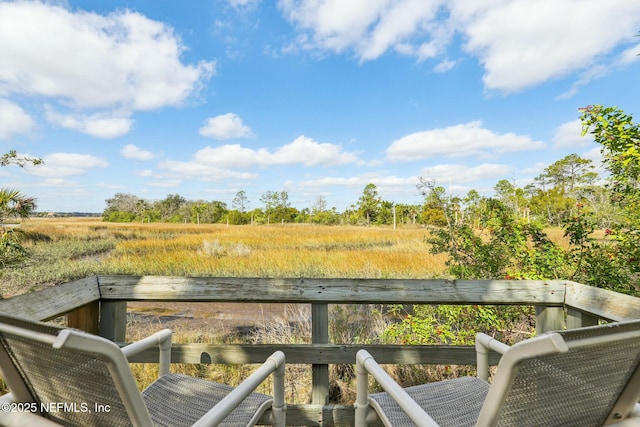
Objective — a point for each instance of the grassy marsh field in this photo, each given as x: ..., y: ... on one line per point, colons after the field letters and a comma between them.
x: 68, y: 248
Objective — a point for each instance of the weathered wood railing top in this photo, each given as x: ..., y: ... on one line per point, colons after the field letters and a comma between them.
x: 98, y: 304
x: 57, y: 300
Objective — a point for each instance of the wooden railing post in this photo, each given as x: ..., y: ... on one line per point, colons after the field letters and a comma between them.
x: 113, y: 320
x: 85, y: 318
x: 579, y: 319
x: 549, y: 319
x: 320, y: 335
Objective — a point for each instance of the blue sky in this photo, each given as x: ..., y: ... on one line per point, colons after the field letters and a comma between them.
x: 314, y: 97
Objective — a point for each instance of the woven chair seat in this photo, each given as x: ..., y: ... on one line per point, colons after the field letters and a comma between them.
x: 85, y: 380
x: 450, y: 403
x: 190, y: 398
x: 585, y: 377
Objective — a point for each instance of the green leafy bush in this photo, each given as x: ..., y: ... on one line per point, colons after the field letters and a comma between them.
x: 503, y: 247
x: 11, y: 249
x: 457, y: 324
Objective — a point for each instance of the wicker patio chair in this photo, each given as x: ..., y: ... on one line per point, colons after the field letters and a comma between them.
x: 78, y: 379
x: 580, y: 377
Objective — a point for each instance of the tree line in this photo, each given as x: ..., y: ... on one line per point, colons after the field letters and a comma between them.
x: 550, y: 199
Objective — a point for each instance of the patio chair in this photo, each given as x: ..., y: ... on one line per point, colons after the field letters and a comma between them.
x: 75, y: 378
x: 580, y: 377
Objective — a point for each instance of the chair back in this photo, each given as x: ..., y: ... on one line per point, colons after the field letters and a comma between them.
x: 582, y: 377
x: 70, y: 377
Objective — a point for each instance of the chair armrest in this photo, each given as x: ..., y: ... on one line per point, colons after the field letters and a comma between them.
x: 162, y: 339
x: 365, y: 363
x: 273, y: 365
x: 484, y: 343
x: 632, y: 421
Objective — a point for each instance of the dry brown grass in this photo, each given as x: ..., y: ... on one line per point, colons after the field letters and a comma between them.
x: 276, y: 251
x: 256, y: 251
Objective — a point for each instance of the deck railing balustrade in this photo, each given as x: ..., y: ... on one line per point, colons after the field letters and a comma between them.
x: 98, y: 304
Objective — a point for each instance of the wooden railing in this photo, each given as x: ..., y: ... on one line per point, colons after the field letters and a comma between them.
x: 98, y: 304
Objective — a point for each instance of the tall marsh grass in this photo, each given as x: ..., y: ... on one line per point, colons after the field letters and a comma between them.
x: 67, y: 249
x: 281, y: 251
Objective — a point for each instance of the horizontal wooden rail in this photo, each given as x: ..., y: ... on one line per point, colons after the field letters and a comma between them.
x: 601, y: 302
x: 53, y: 301
x: 356, y: 291
x: 318, y: 353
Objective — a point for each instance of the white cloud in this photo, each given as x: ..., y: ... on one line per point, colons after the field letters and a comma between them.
x: 380, y: 180
x: 444, y: 66
x: 302, y: 150
x: 462, y: 174
x: 390, y: 187
x: 58, y: 165
x: 520, y: 43
x: 243, y: 4
x: 231, y: 156
x: 167, y: 183
x: 369, y: 28
x: 198, y: 169
x: 592, y: 73
x: 133, y: 152
x: 597, y: 70
x: 122, y: 61
x: 306, y: 151
x: 216, y: 163
x: 535, y: 169
x: 630, y: 55
x: 13, y: 119
x: 57, y: 184
x: 465, y: 140
x: 568, y: 135
x: 101, y: 125
x: 595, y: 155
x: 226, y: 126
